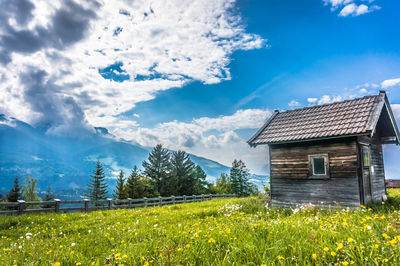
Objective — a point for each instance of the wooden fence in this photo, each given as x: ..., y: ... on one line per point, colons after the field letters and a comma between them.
x: 109, y: 204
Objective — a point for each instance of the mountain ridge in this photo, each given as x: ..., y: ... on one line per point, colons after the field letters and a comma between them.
x: 66, y: 163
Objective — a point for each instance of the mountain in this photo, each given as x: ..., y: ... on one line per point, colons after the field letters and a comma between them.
x: 66, y: 163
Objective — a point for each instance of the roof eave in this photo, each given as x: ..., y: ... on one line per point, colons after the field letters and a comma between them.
x: 377, y: 112
x: 312, y: 139
x: 250, y: 141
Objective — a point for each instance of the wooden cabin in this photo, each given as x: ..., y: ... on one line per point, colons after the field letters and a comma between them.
x: 329, y: 154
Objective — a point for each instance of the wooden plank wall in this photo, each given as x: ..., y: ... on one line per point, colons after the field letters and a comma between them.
x: 290, y: 183
x: 378, y: 176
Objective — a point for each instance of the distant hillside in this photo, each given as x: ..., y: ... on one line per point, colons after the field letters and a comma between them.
x: 66, y: 163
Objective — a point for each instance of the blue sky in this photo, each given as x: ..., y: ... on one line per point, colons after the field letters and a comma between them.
x: 195, y: 75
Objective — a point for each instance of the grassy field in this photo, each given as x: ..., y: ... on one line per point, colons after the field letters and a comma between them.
x: 218, y: 232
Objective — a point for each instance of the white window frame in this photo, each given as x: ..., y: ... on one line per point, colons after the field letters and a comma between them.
x: 312, y: 174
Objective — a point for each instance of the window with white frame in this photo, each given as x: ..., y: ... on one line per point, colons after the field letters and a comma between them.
x: 318, y: 166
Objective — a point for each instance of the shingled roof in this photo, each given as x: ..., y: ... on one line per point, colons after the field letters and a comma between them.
x: 347, y: 118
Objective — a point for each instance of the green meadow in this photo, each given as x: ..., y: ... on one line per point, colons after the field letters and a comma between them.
x: 240, y: 231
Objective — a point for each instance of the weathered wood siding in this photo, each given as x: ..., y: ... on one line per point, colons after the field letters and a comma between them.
x: 378, y: 174
x: 290, y: 182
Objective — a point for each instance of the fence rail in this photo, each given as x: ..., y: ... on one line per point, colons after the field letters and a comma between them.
x: 88, y: 205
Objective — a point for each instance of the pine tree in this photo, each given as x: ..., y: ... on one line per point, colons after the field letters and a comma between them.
x: 48, y: 197
x: 145, y: 188
x: 182, y: 177
x: 15, y: 193
x: 158, y: 166
x: 29, y: 189
x: 200, y: 180
x: 239, y: 178
x: 132, y: 183
x: 49, y: 194
x: 120, y: 191
x: 97, y: 187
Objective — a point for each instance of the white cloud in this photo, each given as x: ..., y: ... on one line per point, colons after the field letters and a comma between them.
x: 214, y: 138
x: 348, y: 10
x: 328, y: 99
x: 336, y: 3
x: 159, y: 44
x: 351, y: 7
x: 312, y: 100
x: 293, y: 103
x: 390, y: 83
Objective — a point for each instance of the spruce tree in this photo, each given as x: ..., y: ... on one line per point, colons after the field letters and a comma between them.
x: 182, y: 177
x: 15, y: 193
x: 29, y: 189
x: 131, y: 186
x: 138, y: 186
x: 239, y: 178
x: 120, y: 191
x: 200, y: 180
x: 49, y: 194
x: 48, y: 197
x: 97, y: 187
x: 157, y: 167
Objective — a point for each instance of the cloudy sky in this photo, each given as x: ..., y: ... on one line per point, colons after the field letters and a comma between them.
x: 198, y: 75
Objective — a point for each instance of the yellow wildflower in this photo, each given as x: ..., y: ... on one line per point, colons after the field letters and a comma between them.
x: 211, y: 240
x: 345, y: 263
x: 340, y: 246
x: 314, y: 256
x: 56, y: 264
x: 376, y: 246
x: 333, y: 253
x: 280, y: 258
x: 350, y: 240
x: 326, y: 249
x: 78, y: 264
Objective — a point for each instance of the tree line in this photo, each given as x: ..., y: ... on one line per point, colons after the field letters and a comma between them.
x: 27, y: 191
x: 168, y: 173
x: 164, y: 173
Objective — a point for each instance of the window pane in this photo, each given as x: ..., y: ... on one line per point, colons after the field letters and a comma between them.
x: 319, y: 166
x: 366, y: 157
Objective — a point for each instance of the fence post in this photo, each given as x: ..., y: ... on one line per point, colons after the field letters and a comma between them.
x: 129, y: 203
x: 160, y: 202
x: 202, y: 197
x: 21, y: 206
x: 145, y: 202
x: 86, y: 202
x: 109, y: 203
x: 57, y: 205
x: 173, y: 199
x: 184, y: 198
x: 194, y: 198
